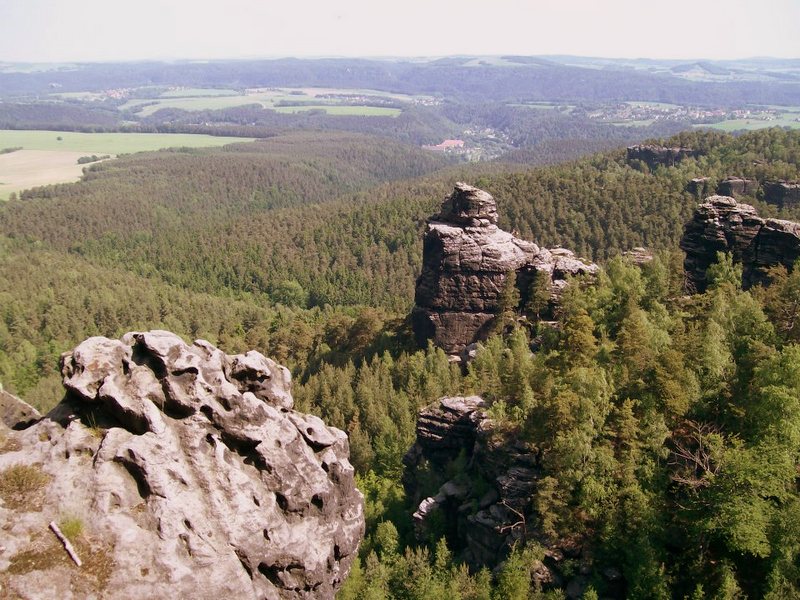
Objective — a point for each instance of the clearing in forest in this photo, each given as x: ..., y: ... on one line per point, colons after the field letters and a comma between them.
x: 50, y: 157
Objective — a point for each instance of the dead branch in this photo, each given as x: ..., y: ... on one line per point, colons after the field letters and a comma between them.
x: 690, y: 455
x: 67, y: 545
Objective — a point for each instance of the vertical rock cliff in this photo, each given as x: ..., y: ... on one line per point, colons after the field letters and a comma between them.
x: 466, y: 261
x: 721, y: 224
x: 485, y: 513
x: 189, y: 475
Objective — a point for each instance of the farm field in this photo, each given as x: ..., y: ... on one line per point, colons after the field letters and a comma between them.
x: 190, y: 92
x: 193, y: 99
x: 51, y: 156
x: 149, y: 106
x: 25, y: 169
x: 785, y: 120
x: 107, y: 143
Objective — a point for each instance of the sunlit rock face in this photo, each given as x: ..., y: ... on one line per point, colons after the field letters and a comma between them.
x: 466, y: 260
x: 192, y: 477
x: 782, y: 193
x: 721, y: 224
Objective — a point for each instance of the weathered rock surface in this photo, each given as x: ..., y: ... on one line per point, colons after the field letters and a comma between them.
x: 698, y: 186
x: 16, y: 413
x: 466, y: 261
x: 737, y: 186
x: 782, y: 193
x: 638, y: 255
x: 655, y: 156
x: 191, y: 475
x: 487, y: 507
x: 721, y: 224
x: 445, y: 430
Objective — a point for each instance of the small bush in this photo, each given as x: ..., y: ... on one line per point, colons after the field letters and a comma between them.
x: 19, y: 486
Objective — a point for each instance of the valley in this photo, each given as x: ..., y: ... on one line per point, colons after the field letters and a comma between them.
x: 542, y: 312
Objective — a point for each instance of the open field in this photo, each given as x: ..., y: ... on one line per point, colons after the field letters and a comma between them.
x: 215, y: 99
x: 652, y: 104
x: 786, y: 120
x: 639, y: 123
x: 196, y: 92
x: 107, y: 143
x: 342, y: 109
x: 149, y: 106
x: 28, y: 168
x: 46, y: 159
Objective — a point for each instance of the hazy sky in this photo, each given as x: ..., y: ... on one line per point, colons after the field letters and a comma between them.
x: 59, y: 30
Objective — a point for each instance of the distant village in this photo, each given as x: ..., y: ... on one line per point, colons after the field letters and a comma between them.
x: 625, y: 112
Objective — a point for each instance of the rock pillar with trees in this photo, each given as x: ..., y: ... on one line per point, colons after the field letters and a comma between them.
x: 467, y: 263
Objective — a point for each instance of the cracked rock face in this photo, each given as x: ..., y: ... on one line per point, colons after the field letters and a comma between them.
x: 782, y: 193
x: 481, y: 518
x: 721, y: 224
x: 655, y: 156
x: 466, y: 259
x: 191, y: 475
x: 737, y: 186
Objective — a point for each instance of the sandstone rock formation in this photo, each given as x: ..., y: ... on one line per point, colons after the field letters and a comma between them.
x: 485, y: 513
x: 698, y: 186
x: 466, y: 260
x: 737, y: 186
x: 452, y: 426
x: 190, y: 476
x: 638, y: 255
x: 16, y: 413
x: 782, y: 193
x: 655, y: 156
x: 721, y: 224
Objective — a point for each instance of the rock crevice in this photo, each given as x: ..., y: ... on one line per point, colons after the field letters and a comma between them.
x: 487, y: 508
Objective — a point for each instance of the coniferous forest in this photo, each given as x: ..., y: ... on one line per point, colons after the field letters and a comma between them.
x: 666, y: 426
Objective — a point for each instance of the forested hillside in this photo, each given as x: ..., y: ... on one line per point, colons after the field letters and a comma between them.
x: 535, y: 78
x: 241, y: 219
x: 665, y: 426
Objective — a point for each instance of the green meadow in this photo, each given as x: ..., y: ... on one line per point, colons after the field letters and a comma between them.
x: 785, y: 120
x: 107, y: 143
x: 193, y: 99
x: 48, y: 157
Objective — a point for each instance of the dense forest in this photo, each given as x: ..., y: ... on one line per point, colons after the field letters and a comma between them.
x: 666, y: 426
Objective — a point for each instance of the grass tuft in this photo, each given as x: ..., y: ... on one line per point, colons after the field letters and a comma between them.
x: 20, y: 486
x: 72, y: 527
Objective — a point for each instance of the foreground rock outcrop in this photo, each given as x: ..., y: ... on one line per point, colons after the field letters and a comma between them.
x: 188, y: 475
x: 466, y: 261
x: 721, y: 224
x: 16, y: 413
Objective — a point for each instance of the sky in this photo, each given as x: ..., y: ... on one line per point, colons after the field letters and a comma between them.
x: 110, y: 30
